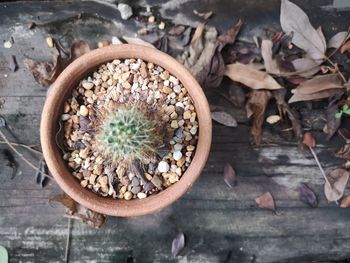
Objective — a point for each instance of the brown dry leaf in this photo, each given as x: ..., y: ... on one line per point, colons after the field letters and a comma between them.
x: 345, y: 47
x: 338, y: 179
x: 266, y: 201
x: 251, y: 77
x: 345, y: 202
x: 198, y: 32
x: 266, y: 53
x: 45, y: 73
x: 204, y: 15
x: 332, y: 123
x: 320, y: 83
x: 176, y: 30
x: 78, y: 48
x: 77, y: 211
x: 315, y: 96
x: 229, y: 37
x: 256, y: 107
x: 137, y: 41
x: 305, y: 67
x: 305, y: 36
x: 344, y: 152
x: 307, y: 195
x: 224, y: 118
x: 338, y: 39
x: 230, y: 176
x: 309, y: 140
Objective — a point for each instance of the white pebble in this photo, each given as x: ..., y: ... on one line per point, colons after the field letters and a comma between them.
x: 177, y: 155
x: 141, y: 195
x: 125, y: 11
x: 166, y: 83
x: 87, y: 85
x: 83, y: 111
x: 65, y: 117
x: 163, y: 167
x: 177, y: 88
x: 173, y: 168
x: 7, y: 44
x: 193, y: 130
x: 178, y: 147
x: 180, y: 104
x: 134, y: 87
x: 135, y: 66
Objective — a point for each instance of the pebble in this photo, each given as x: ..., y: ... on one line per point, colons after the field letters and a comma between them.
x: 7, y: 44
x: 65, y: 117
x: 84, y: 153
x: 128, y: 195
x: 163, y: 167
x: 178, y: 147
x: 125, y: 11
x: 135, y: 182
x: 151, y: 19
x: 173, y: 178
x: 84, y: 111
x: 177, y: 155
x: 181, y: 162
x: 135, y: 189
x: 190, y: 148
x: 161, y: 25
x: 177, y: 89
x: 187, y: 115
x: 141, y: 195
x: 193, y: 130
x: 87, y: 85
x: 156, y: 182
x: 49, y: 41
x: 174, y: 124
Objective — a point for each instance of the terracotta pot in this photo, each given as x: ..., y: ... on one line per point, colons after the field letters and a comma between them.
x: 53, y: 108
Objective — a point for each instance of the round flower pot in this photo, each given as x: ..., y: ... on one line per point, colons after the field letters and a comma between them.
x: 53, y: 109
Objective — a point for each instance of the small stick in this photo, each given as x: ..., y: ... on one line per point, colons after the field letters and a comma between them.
x: 66, y: 253
x: 21, y: 155
x: 319, y: 166
x: 29, y: 147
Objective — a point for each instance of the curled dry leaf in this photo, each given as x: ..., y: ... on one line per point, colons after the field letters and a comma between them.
x: 251, y: 77
x: 266, y: 53
x: 178, y: 244
x: 345, y: 202
x: 229, y: 37
x: 332, y: 123
x: 78, y: 48
x: 266, y: 201
x: 309, y: 140
x: 224, y: 118
x: 345, y: 47
x: 77, y: 211
x: 45, y: 73
x: 320, y: 83
x: 230, y: 176
x: 272, y: 119
x: 137, y: 41
x: 256, y: 107
x: 344, y: 152
x: 315, y: 96
x: 338, y: 39
x: 305, y: 36
x: 307, y: 196
x: 338, y: 179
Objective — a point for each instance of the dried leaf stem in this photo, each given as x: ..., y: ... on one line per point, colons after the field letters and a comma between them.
x: 22, y: 157
x: 28, y: 147
x: 319, y: 166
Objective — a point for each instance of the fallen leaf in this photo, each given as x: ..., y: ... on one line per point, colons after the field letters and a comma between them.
x: 344, y: 152
x: 45, y: 73
x: 176, y: 30
x: 315, y: 96
x: 39, y: 177
x: 198, y: 32
x: 137, y: 41
x: 250, y: 77
x: 266, y: 52
x: 272, y: 119
x: 338, y: 39
x: 338, y: 179
x: 224, y: 118
x: 162, y: 44
x: 77, y: 211
x: 309, y: 140
x: 230, y: 176
x: 266, y: 201
x: 229, y: 37
x: 332, y: 123
x: 305, y: 67
x: 307, y: 196
x: 204, y: 15
x: 320, y: 83
x: 345, y: 47
x: 178, y: 244
x: 236, y: 94
x: 256, y: 107
x: 13, y: 63
x: 293, y: 19
x: 345, y: 202
x: 78, y: 48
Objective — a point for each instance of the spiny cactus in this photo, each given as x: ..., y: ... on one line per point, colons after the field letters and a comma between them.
x: 129, y: 134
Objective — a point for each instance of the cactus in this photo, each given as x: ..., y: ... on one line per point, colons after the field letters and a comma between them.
x: 128, y: 134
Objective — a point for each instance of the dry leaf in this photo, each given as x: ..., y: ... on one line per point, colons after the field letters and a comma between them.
x: 178, y: 244
x: 309, y: 140
x: 293, y: 19
x: 176, y: 30
x: 256, y: 107
x: 338, y: 39
x: 320, y: 83
x: 78, y: 48
x: 266, y: 201
x: 77, y: 211
x: 137, y: 41
x: 272, y: 119
x: 305, y: 67
x: 45, y: 73
x: 338, y: 179
x: 230, y: 176
x: 345, y: 47
x: 333, y: 123
x: 250, y: 77
x: 224, y: 118
x: 39, y: 177
x: 307, y: 196
x: 266, y: 53
x: 229, y: 37
x: 344, y: 152
x: 345, y: 202
x: 315, y: 96
x: 198, y: 32
x: 204, y: 15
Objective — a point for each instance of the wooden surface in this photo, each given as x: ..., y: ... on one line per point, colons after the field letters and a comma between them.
x: 220, y: 224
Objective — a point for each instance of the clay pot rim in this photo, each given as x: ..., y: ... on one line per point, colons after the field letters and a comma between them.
x: 61, y: 89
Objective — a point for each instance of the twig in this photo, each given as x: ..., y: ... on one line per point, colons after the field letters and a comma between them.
x: 29, y: 147
x: 21, y: 155
x: 66, y: 253
x: 319, y: 166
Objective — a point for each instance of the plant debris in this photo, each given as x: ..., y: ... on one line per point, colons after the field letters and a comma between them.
x: 10, y: 162
x: 204, y: 15
x: 40, y: 178
x: 224, y: 118
x: 338, y: 179
x: 345, y: 202
x: 178, y: 244
x: 307, y: 195
x: 230, y: 176
x: 266, y: 201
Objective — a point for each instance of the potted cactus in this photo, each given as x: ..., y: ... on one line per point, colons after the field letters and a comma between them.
x: 137, y: 130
